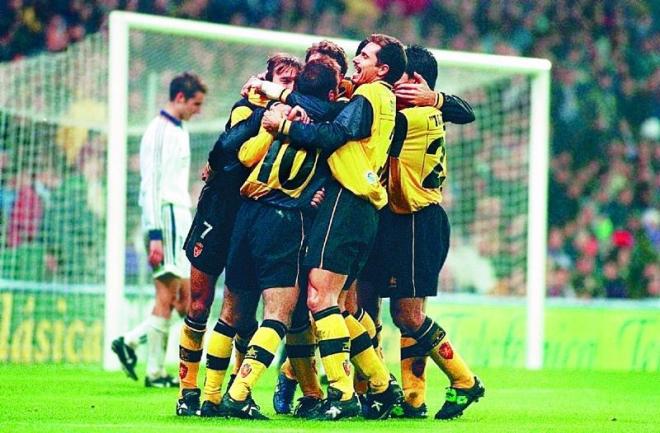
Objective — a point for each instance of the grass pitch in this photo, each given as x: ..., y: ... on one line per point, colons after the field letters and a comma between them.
x: 50, y: 398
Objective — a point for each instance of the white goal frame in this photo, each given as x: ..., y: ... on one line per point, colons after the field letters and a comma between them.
x: 122, y: 22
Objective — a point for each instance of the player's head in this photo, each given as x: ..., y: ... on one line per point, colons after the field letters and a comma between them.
x: 361, y: 45
x: 327, y: 48
x: 187, y: 93
x: 420, y: 60
x: 318, y: 78
x: 382, y: 58
x: 282, y: 69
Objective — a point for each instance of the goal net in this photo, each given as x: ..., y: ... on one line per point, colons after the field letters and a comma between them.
x: 73, y: 268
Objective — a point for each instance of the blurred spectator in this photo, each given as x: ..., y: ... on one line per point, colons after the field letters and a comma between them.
x: 26, y: 213
x: 604, y: 235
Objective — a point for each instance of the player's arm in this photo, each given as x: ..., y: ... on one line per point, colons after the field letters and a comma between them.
x: 255, y: 148
x: 352, y: 123
x: 316, y: 108
x: 153, y: 168
x: 456, y: 110
x: 230, y: 141
x: 419, y: 94
x: 152, y: 152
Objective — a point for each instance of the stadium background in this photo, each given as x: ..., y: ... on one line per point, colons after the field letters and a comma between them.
x: 604, y: 225
x: 604, y: 228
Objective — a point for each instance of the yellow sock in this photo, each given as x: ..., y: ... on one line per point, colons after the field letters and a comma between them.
x: 364, y: 356
x: 335, y: 346
x: 190, y: 353
x: 259, y: 355
x: 360, y: 382
x: 241, y: 343
x: 413, y: 375
x: 217, y: 360
x: 433, y: 340
x: 300, y: 348
x: 367, y: 322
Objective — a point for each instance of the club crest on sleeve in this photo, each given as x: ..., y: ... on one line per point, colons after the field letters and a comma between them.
x: 446, y: 351
x: 246, y: 369
x: 198, y: 248
x: 183, y: 370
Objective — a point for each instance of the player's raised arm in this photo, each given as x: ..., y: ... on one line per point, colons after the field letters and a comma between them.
x: 456, y: 110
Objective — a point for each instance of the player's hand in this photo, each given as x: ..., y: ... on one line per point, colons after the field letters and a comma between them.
x: 281, y: 108
x: 207, y: 172
x: 318, y: 198
x: 271, y: 121
x: 418, y: 93
x: 252, y: 83
x: 298, y: 113
x: 155, y: 253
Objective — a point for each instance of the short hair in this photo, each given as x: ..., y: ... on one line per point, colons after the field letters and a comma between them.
x: 332, y: 50
x: 279, y: 62
x: 392, y: 54
x: 363, y: 43
x: 421, y: 60
x: 187, y: 83
x: 317, y: 78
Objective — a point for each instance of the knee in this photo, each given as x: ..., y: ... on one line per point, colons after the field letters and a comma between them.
x: 198, y: 311
x: 314, y: 303
x: 407, y: 321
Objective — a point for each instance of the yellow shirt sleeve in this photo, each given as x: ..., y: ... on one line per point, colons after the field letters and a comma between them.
x: 239, y: 114
x: 253, y: 150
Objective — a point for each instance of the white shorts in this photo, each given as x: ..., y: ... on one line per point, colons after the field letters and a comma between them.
x: 175, y: 223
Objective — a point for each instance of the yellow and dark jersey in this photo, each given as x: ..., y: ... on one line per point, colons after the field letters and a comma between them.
x: 417, y: 161
x: 356, y: 142
x: 283, y: 168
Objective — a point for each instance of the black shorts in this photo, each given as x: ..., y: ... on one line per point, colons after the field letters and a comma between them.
x: 207, y: 244
x: 409, y: 253
x: 343, y: 232
x: 266, y: 247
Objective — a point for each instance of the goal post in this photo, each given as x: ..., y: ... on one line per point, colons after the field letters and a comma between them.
x: 73, y: 272
x: 478, y: 69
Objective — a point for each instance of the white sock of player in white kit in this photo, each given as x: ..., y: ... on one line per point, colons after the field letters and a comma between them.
x: 156, y: 346
x: 138, y: 335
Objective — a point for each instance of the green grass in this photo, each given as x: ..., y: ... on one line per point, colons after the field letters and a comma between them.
x: 68, y: 399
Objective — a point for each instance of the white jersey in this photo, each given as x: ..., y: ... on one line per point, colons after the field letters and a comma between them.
x: 164, y: 169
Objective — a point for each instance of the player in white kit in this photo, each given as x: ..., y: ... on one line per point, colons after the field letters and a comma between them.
x: 166, y: 219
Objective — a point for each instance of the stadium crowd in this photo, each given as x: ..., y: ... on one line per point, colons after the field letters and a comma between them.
x: 604, y: 223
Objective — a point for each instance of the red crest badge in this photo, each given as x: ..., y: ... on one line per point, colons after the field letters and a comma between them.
x: 245, y: 370
x: 183, y: 370
x: 197, y: 250
x: 446, y: 351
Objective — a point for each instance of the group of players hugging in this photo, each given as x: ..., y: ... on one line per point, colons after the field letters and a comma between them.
x: 323, y: 196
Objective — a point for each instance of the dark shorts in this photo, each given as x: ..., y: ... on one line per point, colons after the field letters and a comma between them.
x: 408, y: 253
x: 207, y: 244
x: 266, y: 247
x: 343, y: 232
